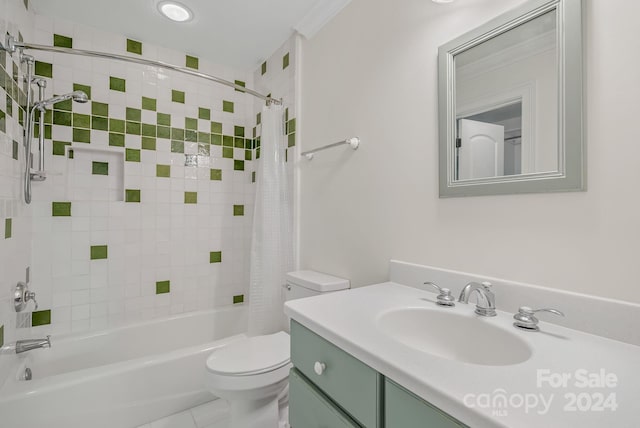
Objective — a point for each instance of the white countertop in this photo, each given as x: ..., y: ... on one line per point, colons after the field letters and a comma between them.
x: 349, y: 320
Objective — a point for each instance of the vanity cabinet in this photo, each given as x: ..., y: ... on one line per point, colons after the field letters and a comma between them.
x: 331, y: 388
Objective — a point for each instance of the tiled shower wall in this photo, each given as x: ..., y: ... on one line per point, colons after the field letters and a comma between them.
x: 147, y: 207
x: 15, y: 216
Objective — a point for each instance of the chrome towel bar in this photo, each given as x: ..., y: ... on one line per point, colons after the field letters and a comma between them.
x: 353, y: 142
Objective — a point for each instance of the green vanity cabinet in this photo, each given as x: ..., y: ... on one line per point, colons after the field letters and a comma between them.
x: 402, y: 409
x: 308, y: 407
x: 330, y: 388
x: 351, y: 384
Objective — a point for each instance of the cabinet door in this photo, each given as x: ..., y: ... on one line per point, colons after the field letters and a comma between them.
x: 308, y: 408
x: 405, y: 410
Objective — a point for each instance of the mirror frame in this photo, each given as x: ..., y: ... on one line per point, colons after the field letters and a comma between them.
x: 571, y: 174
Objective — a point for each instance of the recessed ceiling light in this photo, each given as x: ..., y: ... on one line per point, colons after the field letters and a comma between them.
x: 175, y: 11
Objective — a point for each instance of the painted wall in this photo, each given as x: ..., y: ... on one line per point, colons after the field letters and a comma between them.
x: 372, y: 72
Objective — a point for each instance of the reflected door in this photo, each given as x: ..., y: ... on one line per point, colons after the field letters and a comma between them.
x: 481, y: 151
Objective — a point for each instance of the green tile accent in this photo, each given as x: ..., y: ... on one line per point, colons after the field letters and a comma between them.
x: 163, y: 287
x: 148, y: 130
x: 100, y: 168
x: 238, y: 210
x: 215, y: 257
x: 238, y: 131
x: 70, y: 154
x: 190, y: 123
x: 81, y: 120
x: 132, y: 195
x: 59, y: 147
x: 292, y: 139
x: 163, y: 132
x: 98, y: 252
x: 81, y: 135
x: 291, y: 126
x: 134, y: 128
x: 238, y: 299
x: 227, y: 106
x: 62, y: 41
x: 84, y: 88
x: 62, y: 118
x: 134, y: 47
x: 177, y: 134
x: 99, y: 109
x: 204, y: 137
x: 285, y: 61
x: 41, y: 318
x: 192, y: 62
x: 99, y: 123
x: 1, y: 336
x: 258, y: 118
x: 163, y: 171
x: 190, y: 135
x: 264, y: 67
x: 14, y: 150
x: 117, y: 125
x: 149, y: 104
x: 253, y: 176
x: 8, y: 225
x: 134, y: 114
x: 227, y: 152
x: 44, y: 69
x: 132, y: 155
x: 61, y: 209
x: 65, y: 105
x: 238, y: 165
x: 148, y: 143
x: 204, y: 113
x: 238, y: 143
x: 216, y: 128
x: 177, y: 96
x: 240, y: 83
x: 177, y: 146
x: 247, y: 155
x: 164, y: 119
x: 116, y: 140
x: 117, y: 84
x: 216, y: 139
x: 216, y: 174
x: 227, y: 141
x: 190, y: 197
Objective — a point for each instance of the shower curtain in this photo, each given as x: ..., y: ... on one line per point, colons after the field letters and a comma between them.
x: 271, y: 241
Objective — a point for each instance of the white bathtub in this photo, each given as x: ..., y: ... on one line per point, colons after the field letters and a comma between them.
x: 119, y: 378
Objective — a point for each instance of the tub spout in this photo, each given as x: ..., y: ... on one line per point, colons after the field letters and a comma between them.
x: 31, y: 344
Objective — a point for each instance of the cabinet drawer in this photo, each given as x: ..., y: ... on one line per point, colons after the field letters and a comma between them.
x: 354, y: 386
x: 405, y: 410
x: 308, y: 408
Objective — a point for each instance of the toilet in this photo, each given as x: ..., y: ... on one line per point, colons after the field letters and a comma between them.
x: 252, y: 373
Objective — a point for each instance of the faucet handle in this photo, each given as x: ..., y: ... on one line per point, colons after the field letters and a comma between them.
x: 444, y: 298
x: 526, y: 319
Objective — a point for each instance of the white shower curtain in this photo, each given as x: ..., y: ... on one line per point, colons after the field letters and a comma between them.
x: 271, y: 243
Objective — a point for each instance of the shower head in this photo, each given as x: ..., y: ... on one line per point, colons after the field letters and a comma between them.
x: 77, y: 96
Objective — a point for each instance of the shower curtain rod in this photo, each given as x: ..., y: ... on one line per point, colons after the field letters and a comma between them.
x: 12, y: 45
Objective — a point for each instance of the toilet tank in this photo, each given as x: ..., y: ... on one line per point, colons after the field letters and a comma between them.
x: 307, y: 283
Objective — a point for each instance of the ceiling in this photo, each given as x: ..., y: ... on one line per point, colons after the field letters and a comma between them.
x: 236, y: 33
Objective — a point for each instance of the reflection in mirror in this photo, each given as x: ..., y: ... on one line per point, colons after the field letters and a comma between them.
x: 506, y: 103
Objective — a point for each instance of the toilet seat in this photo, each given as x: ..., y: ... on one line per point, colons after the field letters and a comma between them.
x: 251, y: 356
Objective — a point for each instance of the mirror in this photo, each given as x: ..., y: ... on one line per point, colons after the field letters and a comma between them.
x: 510, y: 104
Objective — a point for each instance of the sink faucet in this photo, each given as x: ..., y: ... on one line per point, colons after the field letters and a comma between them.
x: 31, y: 344
x: 486, y: 303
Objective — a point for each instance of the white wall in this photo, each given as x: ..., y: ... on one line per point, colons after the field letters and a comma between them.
x: 372, y: 72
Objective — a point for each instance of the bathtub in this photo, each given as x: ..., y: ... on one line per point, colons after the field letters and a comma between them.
x: 121, y: 377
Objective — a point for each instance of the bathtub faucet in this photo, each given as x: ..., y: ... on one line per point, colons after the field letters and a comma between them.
x: 31, y: 344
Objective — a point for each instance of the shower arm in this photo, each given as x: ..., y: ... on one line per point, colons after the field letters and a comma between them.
x: 11, y: 45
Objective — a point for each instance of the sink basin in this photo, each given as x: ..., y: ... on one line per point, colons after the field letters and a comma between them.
x: 454, y: 336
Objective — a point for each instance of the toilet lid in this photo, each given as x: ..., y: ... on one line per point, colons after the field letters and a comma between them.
x: 252, y: 355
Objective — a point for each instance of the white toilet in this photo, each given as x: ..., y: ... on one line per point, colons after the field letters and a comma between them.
x: 252, y: 373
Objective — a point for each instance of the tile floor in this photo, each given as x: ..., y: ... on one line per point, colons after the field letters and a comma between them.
x: 214, y: 414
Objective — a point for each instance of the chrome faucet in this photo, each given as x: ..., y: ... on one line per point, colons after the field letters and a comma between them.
x: 31, y: 344
x: 486, y: 303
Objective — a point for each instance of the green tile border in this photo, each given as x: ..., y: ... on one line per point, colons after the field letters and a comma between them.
x: 39, y: 318
x: 99, y: 252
